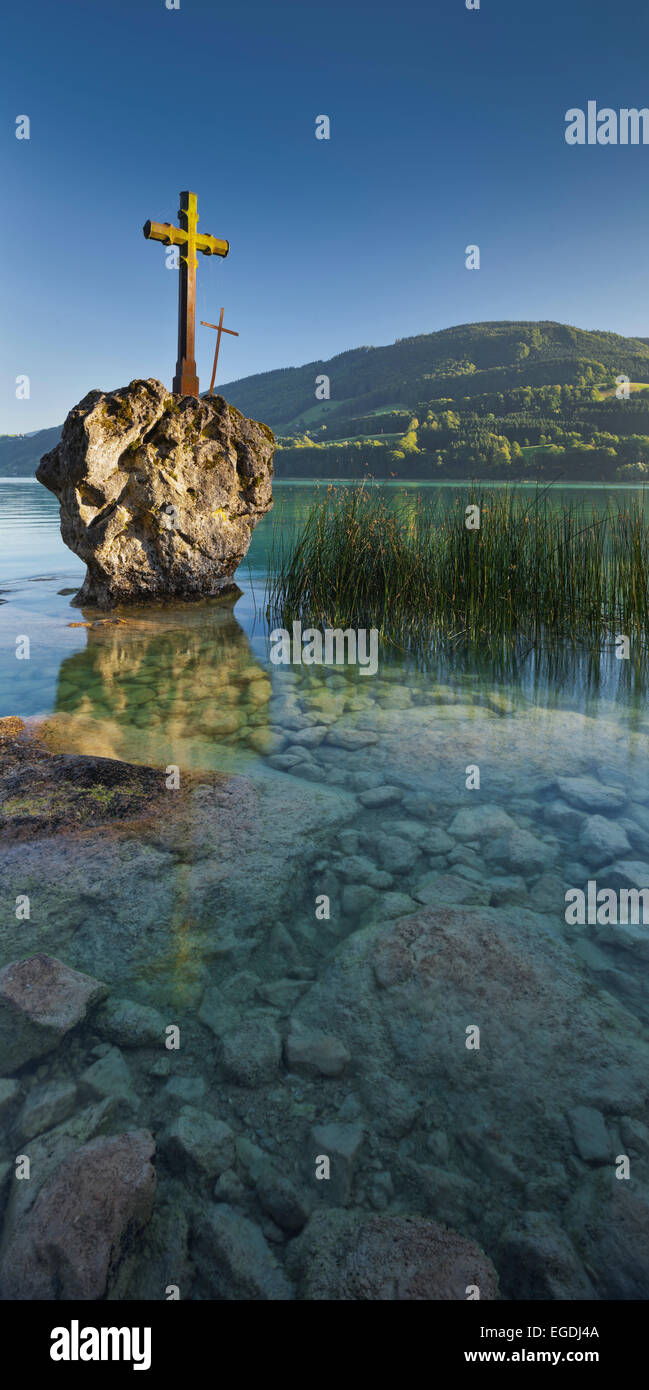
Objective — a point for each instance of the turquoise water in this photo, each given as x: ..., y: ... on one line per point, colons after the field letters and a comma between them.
x: 446, y: 912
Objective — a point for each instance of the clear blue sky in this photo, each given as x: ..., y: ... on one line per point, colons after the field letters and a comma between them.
x: 447, y: 127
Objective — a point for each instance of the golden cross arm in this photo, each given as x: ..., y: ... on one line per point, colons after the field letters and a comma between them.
x: 191, y: 240
x: 176, y: 236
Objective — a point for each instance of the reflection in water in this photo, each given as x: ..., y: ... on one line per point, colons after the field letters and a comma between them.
x: 174, y: 679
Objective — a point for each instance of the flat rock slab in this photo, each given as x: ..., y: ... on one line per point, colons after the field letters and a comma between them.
x: 590, y: 795
x: 41, y: 1000
x: 112, y: 906
x: 42, y: 793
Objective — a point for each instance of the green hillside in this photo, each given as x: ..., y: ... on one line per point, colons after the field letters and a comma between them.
x: 20, y: 454
x: 492, y: 355
x: 493, y: 400
x: 513, y: 400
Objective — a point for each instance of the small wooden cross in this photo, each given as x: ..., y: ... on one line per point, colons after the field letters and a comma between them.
x: 219, y: 330
x: 186, y: 381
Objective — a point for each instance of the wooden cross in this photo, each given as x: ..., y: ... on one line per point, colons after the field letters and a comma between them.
x: 219, y: 330
x: 186, y: 381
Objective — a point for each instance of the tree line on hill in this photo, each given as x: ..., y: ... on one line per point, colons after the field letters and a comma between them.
x: 510, y: 400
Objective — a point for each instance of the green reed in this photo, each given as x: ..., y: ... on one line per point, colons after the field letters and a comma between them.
x: 533, y: 573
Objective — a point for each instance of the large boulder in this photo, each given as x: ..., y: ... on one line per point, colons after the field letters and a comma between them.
x: 491, y: 1128
x: 72, y: 1238
x: 159, y: 494
x: 342, y: 1255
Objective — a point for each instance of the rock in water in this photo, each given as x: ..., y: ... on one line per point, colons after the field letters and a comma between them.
x: 159, y: 494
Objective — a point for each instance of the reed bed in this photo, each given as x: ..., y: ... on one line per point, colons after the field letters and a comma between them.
x: 534, y: 573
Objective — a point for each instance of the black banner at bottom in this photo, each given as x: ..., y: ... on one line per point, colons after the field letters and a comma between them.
x: 178, y: 1337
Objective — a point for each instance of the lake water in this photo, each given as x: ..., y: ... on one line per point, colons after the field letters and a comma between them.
x: 369, y: 891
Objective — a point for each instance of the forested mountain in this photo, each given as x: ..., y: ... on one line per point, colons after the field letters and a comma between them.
x: 20, y: 454
x: 497, y: 400
x: 485, y: 356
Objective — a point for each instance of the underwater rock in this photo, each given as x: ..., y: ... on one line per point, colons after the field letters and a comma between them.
x: 628, y: 873
x: 280, y: 1199
x: 517, y: 850
x: 395, y: 855
x: 404, y: 997
x: 376, y: 797
x: 394, y: 905
x: 159, y: 494
x: 196, y: 1141
x: 234, y: 1259
x: 476, y: 822
x: 109, y: 1076
x: 602, y: 840
x: 547, y: 894
x: 608, y: 1223
x: 508, y: 889
x: 65, y: 1247
x: 341, y: 1144
x: 449, y: 888
x: 9, y: 1095
x: 41, y: 999
x: 251, y: 1053
x: 45, y: 1107
x: 592, y: 1140
x: 564, y: 817
x: 344, y: 1255
x: 315, y: 1053
x: 49, y: 1150
x: 538, y: 1261
x: 351, y: 739
x: 112, y: 883
x: 357, y: 899
x: 590, y: 795
x: 129, y: 1024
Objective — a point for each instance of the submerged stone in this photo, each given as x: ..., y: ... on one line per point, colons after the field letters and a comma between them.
x: 590, y: 795
x: 234, y: 1260
x: 592, y: 1139
x: 196, y: 1140
x: 602, y: 840
x: 251, y: 1053
x: 314, y: 1052
x: 130, y: 1024
x: 539, y: 1261
x: 41, y: 1000
x: 9, y: 1095
x: 66, y: 1245
x: 344, y: 1255
x: 478, y: 822
x: 45, y: 1107
x: 450, y: 888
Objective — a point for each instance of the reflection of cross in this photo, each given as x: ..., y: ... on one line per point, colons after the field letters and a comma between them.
x: 219, y: 330
x: 186, y: 381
